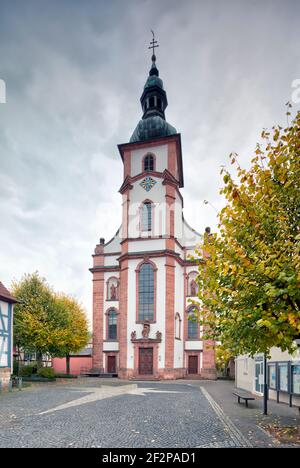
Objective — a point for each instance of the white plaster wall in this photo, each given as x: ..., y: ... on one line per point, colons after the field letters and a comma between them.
x: 193, y: 345
x: 114, y: 244
x: 277, y: 355
x: 146, y: 245
x: 4, y: 309
x: 161, y: 156
x: 110, y: 346
x: 137, y: 196
x: 179, y: 306
x: 245, y: 371
x: 109, y: 274
x: 160, y: 310
x: 111, y: 260
x: 190, y: 238
x: 178, y: 225
x: 245, y: 377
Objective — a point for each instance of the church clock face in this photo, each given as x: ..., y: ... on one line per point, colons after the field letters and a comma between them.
x: 148, y: 183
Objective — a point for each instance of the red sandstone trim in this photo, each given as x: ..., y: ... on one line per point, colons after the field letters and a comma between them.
x: 98, y: 302
x: 193, y: 353
x: 169, y: 312
x: 113, y: 354
x: 127, y: 163
x: 123, y: 304
x: 136, y: 347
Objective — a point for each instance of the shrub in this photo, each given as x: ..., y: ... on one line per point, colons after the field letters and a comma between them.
x: 26, y: 371
x: 46, y: 372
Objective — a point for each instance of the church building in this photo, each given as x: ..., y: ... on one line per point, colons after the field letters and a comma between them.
x: 143, y: 279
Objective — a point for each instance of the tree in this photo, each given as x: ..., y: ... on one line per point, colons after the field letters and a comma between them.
x: 35, y: 327
x: 223, y: 357
x: 250, y: 281
x: 74, y: 325
x: 45, y: 322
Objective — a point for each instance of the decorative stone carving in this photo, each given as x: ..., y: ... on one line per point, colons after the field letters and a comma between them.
x: 158, y: 335
x: 146, y: 330
x: 133, y: 335
x: 113, y: 292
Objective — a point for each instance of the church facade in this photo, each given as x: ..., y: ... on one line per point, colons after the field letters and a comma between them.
x: 143, y: 279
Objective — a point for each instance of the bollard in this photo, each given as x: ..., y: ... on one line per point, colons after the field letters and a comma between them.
x: 10, y: 386
x: 20, y: 383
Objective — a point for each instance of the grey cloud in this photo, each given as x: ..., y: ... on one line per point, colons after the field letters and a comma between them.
x: 75, y: 71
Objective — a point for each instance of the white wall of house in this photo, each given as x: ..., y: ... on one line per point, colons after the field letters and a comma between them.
x: 6, y: 344
x: 245, y: 372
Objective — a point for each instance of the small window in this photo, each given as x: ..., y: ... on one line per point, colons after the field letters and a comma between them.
x: 149, y: 163
x: 112, y: 324
x: 146, y: 221
x: 151, y: 102
x: 177, y: 327
x: 159, y: 103
x: 193, y: 323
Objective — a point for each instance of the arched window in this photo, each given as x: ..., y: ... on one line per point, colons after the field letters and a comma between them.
x: 193, y: 325
x: 151, y: 102
x: 177, y: 326
x: 146, y: 292
x: 112, y: 324
x: 146, y: 216
x: 148, y: 163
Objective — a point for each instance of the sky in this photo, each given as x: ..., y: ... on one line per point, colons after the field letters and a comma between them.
x: 74, y: 73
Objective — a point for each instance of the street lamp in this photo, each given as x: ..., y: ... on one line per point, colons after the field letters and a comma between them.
x: 265, y: 386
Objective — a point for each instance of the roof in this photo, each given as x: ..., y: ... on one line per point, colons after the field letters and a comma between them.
x: 152, y: 127
x: 5, y: 295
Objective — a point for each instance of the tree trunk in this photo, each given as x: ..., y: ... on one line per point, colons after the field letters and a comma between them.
x: 68, y: 363
x: 39, y: 359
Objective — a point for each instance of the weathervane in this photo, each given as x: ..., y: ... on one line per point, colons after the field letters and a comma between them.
x: 153, y: 44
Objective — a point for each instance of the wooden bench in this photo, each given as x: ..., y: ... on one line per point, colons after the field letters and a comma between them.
x: 243, y: 396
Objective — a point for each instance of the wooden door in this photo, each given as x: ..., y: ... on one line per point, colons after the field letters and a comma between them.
x: 145, y: 361
x: 193, y: 365
x: 111, y: 364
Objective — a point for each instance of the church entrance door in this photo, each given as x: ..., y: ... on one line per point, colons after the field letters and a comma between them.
x: 111, y: 364
x: 145, y: 361
x: 193, y: 365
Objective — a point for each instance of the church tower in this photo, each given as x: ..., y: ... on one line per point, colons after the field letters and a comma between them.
x: 143, y: 278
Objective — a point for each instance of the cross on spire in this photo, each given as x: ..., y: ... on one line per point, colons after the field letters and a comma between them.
x: 153, y: 45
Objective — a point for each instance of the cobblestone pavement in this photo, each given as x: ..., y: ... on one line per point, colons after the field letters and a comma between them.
x: 90, y: 414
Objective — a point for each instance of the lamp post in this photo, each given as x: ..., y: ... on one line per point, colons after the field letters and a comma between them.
x: 265, y: 386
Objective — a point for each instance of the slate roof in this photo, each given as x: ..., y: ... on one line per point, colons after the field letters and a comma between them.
x: 5, y: 295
